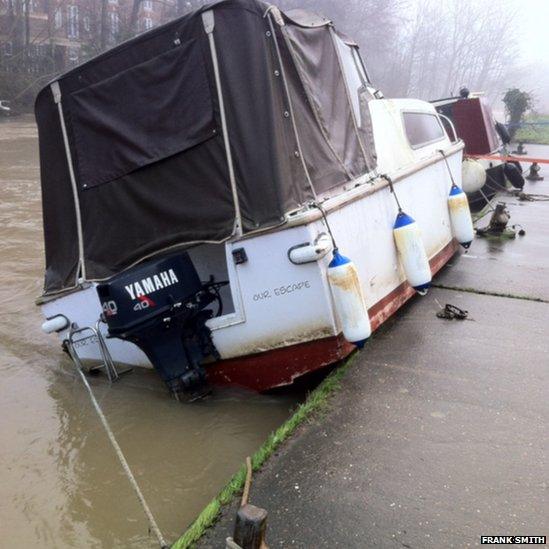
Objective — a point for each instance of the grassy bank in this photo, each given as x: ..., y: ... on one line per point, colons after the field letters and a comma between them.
x: 316, y: 402
x: 534, y: 134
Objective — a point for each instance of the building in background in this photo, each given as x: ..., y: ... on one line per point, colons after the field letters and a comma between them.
x: 45, y: 37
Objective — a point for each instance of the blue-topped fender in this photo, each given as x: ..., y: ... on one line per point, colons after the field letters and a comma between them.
x: 338, y: 259
x: 402, y: 220
x: 348, y: 300
x: 411, y: 251
x: 455, y: 190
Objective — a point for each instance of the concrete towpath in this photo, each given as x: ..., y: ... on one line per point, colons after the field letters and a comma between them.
x: 440, y: 432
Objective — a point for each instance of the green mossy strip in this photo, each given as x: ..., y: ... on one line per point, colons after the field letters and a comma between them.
x: 534, y: 134
x: 315, y: 403
x: 486, y: 292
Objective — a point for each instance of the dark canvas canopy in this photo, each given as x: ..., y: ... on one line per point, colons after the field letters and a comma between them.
x: 133, y: 151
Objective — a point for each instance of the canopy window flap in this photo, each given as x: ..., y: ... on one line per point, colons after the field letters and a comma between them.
x: 305, y: 18
x: 325, y: 169
x: 141, y: 115
x: 270, y: 179
x: 316, y: 60
x: 358, y: 95
x: 182, y: 199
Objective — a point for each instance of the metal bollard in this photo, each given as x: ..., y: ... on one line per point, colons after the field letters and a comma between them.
x: 520, y: 149
x: 534, y: 175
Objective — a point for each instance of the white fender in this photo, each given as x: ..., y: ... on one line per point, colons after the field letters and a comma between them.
x: 348, y: 299
x: 55, y: 324
x: 309, y: 252
x: 412, y: 252
x: 473, y: 175
x: 460, y: 217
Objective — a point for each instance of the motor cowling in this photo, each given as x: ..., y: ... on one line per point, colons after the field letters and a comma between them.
x: 161, y: 306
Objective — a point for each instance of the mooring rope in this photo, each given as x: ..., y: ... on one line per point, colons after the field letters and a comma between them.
x: 124, y: 463
x: 516, y: 193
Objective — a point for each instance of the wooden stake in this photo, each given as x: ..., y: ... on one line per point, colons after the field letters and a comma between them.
x: 250, y: 527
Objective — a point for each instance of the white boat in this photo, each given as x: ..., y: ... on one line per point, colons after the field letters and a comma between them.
x: 185, y: 177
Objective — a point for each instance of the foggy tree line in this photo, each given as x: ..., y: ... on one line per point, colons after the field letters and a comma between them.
x: 429, y: 49
x: 412, y: 48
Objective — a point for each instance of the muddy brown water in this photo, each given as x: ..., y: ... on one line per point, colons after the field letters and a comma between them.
x: 60, y: 482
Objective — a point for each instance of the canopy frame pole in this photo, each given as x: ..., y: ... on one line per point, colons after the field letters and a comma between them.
x: 274, y: 10
x: 347, y: 92
x: 81, y: 271
x: 208, y: 21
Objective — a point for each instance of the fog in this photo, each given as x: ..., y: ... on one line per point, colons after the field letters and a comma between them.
x: 533, y: 63
x: 413, y: 48
x: 431, y: 48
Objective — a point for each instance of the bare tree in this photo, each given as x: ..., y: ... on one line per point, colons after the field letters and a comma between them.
x: 421, y: 48
x: 451, y: 43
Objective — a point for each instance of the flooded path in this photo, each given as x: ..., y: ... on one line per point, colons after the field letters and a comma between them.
x: 60, y: 482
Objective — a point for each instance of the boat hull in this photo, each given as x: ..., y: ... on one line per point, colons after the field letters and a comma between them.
x: 279, y: 367
x: 282, y: 323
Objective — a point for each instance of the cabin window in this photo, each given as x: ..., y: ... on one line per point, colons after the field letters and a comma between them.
x: 422, y: 128
x: 353, y: 73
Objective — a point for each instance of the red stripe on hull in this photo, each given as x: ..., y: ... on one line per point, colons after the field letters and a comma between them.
x: 264, y: 371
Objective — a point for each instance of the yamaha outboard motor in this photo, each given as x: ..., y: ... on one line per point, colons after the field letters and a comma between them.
x: 160, y: 305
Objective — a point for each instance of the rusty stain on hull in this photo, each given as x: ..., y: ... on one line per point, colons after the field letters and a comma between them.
x: 281, y: 366
x: 282, y: 340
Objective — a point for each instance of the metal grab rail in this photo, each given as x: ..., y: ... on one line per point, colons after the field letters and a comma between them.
x: 107, y: 362
x: 452, y: 127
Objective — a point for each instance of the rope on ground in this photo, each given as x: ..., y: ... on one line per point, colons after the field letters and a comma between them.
x: 451, y: 311
x: 247, y: 484
x: 124, y: 463
x: 526, y: 197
